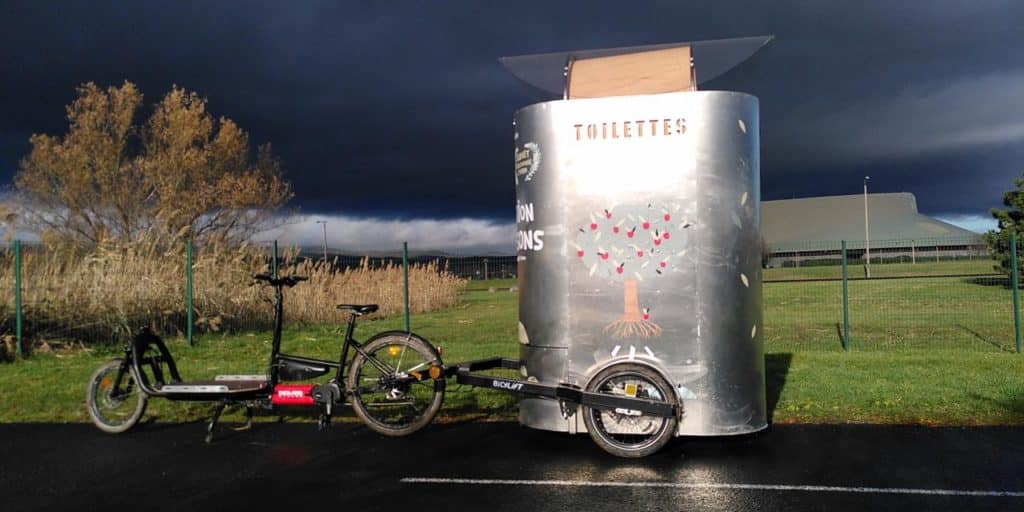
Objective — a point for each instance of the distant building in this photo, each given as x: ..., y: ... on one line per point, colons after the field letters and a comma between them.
x: 811, y: 228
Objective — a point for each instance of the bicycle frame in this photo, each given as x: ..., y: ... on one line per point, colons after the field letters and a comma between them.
x: 277, y: 357
x: 137, y: 361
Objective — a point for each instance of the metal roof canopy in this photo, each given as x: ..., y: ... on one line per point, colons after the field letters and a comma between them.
x: 820, y: 223
x: 711, y: 59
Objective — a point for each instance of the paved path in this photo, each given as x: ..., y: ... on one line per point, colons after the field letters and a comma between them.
x: 502, y: 466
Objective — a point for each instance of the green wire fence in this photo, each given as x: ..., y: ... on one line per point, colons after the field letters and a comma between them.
x: 921, y: 294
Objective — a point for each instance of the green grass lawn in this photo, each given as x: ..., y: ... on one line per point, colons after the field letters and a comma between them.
x: 944, y: 358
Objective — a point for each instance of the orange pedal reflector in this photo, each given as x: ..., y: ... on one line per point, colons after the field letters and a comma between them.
x: 435, y: 372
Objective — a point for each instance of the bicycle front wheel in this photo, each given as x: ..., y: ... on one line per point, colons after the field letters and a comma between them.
x: 114, y: 407
x: 383, y: 394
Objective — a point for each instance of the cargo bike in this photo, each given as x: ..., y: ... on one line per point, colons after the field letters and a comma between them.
x: 395, y: 383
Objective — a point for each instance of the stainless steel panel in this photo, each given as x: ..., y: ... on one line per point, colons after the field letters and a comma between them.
x: 543, y: 363
x: 639, y: 241
x: 545, y: 414
x: 547, y: 365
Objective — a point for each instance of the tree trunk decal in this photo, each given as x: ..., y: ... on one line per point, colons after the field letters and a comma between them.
x: 633, y: 322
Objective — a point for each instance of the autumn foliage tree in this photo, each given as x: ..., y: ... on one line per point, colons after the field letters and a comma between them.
x: 180, y: 174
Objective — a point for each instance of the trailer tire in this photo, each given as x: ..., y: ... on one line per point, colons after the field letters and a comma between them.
x: 113, y: 414
x: 653, y: 432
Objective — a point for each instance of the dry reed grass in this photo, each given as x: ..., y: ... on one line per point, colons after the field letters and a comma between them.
x: 107, y: 293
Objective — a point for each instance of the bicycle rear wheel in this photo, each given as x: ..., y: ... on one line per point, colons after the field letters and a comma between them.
x: 114, y: 407
x: 383, y: 394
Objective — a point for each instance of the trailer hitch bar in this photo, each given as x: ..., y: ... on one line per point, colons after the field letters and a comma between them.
x: 464, y: 374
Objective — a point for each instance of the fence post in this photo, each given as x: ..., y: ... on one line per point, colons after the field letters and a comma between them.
x: 17, y: 298
x: 273, y: 263
x: 1015, y: 284
x: 846, y: 304
x: 405, y: 279
x: 188, y: 290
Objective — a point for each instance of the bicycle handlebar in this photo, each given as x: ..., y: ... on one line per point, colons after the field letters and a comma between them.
x: 288, y: 281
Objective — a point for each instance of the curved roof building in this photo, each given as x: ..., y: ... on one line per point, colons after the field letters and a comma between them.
x: 820, y: 223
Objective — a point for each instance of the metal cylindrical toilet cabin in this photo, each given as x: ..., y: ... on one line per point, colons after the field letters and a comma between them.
x: 638, y: 242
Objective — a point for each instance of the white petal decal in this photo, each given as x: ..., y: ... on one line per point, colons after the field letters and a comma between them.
x: 744, y: 279
x: 593, y: 268
x: 753, y: 332
x: 743, y: 199
x: 743, y: 126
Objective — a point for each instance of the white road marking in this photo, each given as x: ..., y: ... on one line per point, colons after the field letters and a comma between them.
x: 702, y: 485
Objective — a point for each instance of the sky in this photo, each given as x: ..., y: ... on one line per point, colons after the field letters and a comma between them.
x: 393, y: 119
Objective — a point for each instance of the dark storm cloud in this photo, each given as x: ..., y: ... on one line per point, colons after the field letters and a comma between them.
x: 395, y: 109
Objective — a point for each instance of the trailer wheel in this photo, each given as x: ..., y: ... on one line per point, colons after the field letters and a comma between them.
x: 386, y: 401
x: 114, y: 410
x: 623, y: 434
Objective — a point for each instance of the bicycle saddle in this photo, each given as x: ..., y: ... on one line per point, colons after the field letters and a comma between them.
x: 358, y: 309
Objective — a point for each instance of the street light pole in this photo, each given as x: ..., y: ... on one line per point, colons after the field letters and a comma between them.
x: 867, y: 232
x: 324, y: 222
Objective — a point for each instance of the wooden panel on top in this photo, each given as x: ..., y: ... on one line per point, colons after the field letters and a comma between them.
x: 649, y: 72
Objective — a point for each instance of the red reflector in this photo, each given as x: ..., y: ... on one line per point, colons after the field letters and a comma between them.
x: 292, y: 394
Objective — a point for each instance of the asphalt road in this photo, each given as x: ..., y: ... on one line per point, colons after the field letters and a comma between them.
x: 502, y: 466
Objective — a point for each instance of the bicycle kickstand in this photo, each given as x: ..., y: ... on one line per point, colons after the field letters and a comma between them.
x: 248, y: 421
x: 213, y: 421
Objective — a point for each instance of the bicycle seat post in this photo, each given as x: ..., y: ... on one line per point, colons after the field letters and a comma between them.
x: 351, y: 325
x: 278, y: 321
